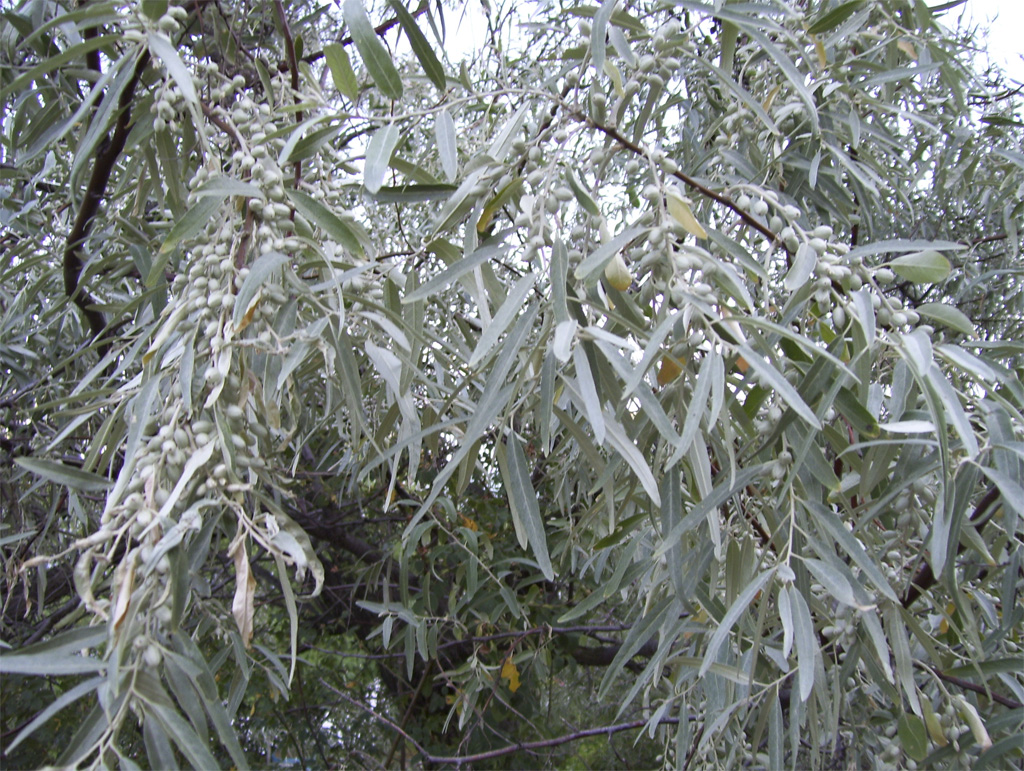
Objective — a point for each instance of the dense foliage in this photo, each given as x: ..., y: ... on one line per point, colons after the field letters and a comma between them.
x: 629, y: 383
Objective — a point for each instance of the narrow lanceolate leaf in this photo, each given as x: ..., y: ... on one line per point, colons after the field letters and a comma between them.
x: 954, y: 318
x: 900, y: 644
x: 447, y: 146
x: 56, y: 706
x: 588, y: 390
x: 803, y: 265
x: 49, y: 665
x: 599, y: 32
x: 806, y: 641
x: 835, y: 583
x: 832, y: 18
x: 428, y: 59
x: 737, y: 609
x: 926, y: 267
x: 375, y: 56
x: 378, y: 156
x: 865, y: 561
x: 786, y: 617
x: 523, y: 499
x: 955, y: 410
x: 453, y: 272
x: 194, y: 221
x: 680, y: 210
x: 773, y: 378
x: 593, y: 265
x: 341, y: 71
x: 334, y: 226
x: 624, y: 446
x: 164, y: 50
x: 640, y: 633
x: 242, y: 607
x: 63, y: 474
x: 506, y: 313
x: 263, y: 268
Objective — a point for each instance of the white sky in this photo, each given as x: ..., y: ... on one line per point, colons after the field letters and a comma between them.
x: 1006, y: 33
x: 1003, y: 18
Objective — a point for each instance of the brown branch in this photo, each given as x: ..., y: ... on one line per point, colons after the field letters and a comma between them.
x: 693, y: 746
x: 988, y: 239
x: 967, y: 685
x: 543, y: 743
x: 689, y: 181
x: 380, y: 29
x: 925, y: 578
x: 110, y: 150
x: 222, y: 124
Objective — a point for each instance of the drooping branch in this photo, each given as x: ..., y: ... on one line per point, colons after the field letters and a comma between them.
x: 110, y: 150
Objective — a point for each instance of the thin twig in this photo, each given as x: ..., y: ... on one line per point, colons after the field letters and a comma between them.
x: 408, y: 710
x: 542, y: 743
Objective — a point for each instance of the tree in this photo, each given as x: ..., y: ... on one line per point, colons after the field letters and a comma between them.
x: 645, y: 380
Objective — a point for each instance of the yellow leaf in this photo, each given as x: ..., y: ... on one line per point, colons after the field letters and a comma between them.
x: 931, y: 721
x: 908, y: 48
x: 617, y: 273
x: 669, y: 370
x: 944, y: 624
x: 680, y: 210
x: 247, y: 318
x: 615, y: 75
x: 126, y: 583
x: 819, y: 47
x: 973, y: 719
x: 243, y: 605
x: 510, y: 673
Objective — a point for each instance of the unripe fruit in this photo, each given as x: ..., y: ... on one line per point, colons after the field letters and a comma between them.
x: 152, y: 656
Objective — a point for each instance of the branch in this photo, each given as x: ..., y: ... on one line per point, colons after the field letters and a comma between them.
x: 925, y: 578
x: 380, y: 29
x: 110, y: 151
x: 685, y: 179
x: 542, y: 743
x: 501, y: 751
x: 967, y: 685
